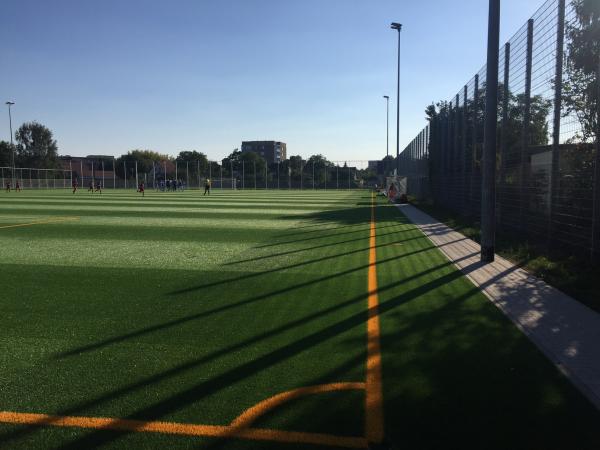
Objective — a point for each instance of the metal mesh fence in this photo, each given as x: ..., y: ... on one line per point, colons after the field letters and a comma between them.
x: 170, y: 175
x: 548, y: 173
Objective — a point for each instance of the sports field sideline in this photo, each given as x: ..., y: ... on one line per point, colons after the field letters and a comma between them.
x: 248, y: 319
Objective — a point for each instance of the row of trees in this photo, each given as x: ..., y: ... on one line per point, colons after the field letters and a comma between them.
x: 36, y: 148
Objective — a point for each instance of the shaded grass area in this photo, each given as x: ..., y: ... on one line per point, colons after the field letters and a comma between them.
x: 155, y: 335
x: 572, y: 274
x: 458, y: 374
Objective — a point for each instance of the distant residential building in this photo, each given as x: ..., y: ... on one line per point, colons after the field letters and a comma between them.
x: 271, y: 151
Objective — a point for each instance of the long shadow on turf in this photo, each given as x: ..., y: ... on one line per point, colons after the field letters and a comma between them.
x: 317, y: 247
x: 312, y: 238
x: 292, y: 266
x: 224, y: 308
x: 201, y: 390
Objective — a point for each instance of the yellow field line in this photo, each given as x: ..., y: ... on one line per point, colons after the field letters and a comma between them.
x: 374, y: 391
x: 107, y: 423
x: 251, y: 414
x: 53, y: 220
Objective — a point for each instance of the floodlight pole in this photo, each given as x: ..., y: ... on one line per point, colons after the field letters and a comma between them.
x: 488, y: 182
x: 12, y: 146
x: 397, y: 26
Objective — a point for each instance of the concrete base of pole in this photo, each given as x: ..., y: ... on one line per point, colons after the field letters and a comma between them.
x: 487, y: 254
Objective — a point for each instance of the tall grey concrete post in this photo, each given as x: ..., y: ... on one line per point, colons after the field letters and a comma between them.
x: 488, y: 185
x: 555, y: 172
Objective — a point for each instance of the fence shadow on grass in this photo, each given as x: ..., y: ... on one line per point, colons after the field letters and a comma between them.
x: 244, y: 370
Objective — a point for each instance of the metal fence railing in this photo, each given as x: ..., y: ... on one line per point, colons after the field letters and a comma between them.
x: 548, y: 162
x: 108, y: 173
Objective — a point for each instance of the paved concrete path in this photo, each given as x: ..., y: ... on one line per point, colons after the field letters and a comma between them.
x: 564, y: 329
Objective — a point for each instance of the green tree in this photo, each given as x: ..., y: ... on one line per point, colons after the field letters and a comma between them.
x: 147, y: 162
x: 194, y: 161
x: 36, y: 146
x: 581, y: 86
x: 322, y: 169
x: 5, y: 154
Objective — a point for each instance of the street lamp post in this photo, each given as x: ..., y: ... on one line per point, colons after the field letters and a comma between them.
x: 12, y: 147
x: 387, y: 125
x: 397, y: 26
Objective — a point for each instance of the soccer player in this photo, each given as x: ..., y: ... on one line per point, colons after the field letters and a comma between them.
x: 141, y: 188
x: 74, y: 185
x: 17, y: 186
x: 207, y: 187
x: 8, y: 186
x: 91, y: 188
x: 98, y: 187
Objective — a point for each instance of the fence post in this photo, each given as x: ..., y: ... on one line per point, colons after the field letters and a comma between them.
x: 463, y: 152
x: 114, y: 173
x: 474, y: 146
x: 457, y: 179
x: 503, y: 130
x: 596, y: 194
x: 488, y: 184
x: 554, y: 184
x: 525, y: 140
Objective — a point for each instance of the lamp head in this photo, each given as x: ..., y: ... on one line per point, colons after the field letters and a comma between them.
x: 10, y: 103
x: 386, y: 96
x: 396, y: 26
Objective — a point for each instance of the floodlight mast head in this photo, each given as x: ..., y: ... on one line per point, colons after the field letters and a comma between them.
x: 10, y: 103
x: 386, y: 97
x: 396, y: 26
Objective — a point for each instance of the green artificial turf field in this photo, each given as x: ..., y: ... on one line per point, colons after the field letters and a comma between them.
x: 187, y: 309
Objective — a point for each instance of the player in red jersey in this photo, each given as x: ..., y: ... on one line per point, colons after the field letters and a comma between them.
x: 141, y: 188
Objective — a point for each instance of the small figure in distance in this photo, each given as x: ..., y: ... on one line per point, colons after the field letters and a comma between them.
x: 98, y: 187
x: 141, y: 188
x: 17, y: 186
x: 8, y: 186
x: 91, y: 187
x: 207, y: 187
x: 74, y: 184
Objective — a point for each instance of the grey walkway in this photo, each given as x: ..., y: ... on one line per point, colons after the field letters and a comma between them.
x: 564, y: 329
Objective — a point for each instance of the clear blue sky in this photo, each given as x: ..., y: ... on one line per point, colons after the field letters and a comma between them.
x: 114, y: 75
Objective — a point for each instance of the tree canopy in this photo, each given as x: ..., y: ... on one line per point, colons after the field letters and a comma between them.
x: 581, y: 86
x: 36, y: 146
